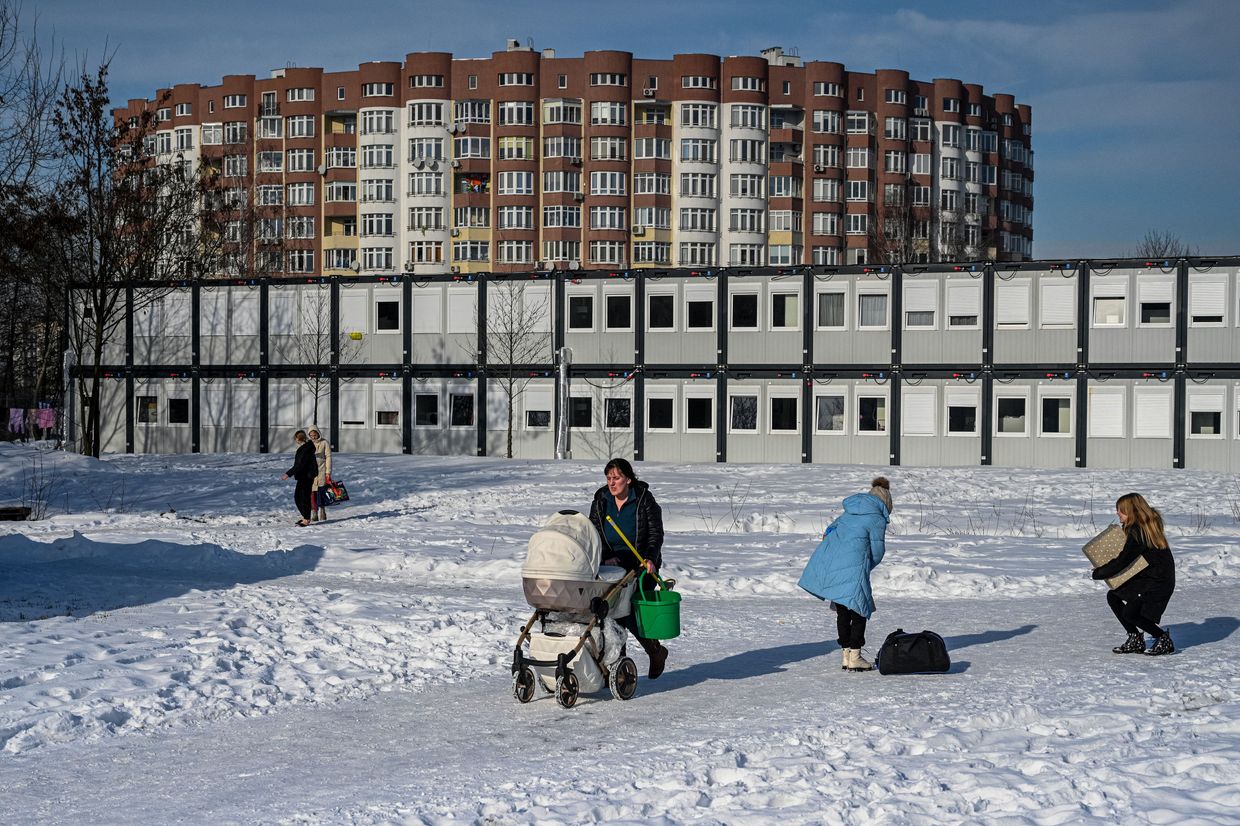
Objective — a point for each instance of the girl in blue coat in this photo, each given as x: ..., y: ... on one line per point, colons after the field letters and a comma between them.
x: 839, y: 569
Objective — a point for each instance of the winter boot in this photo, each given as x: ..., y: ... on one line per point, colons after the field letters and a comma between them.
x: 657, y: 653
x: 1162, y: 645
x: 322, y: 514
x: 856, y: 662
x: 314, y: 516
x: 1135, y: 644
x: 847, y: 658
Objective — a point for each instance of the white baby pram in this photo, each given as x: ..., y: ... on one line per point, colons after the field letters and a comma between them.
x: 577, y: 645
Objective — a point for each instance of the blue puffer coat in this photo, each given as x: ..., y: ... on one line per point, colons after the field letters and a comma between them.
x: 839, y: 569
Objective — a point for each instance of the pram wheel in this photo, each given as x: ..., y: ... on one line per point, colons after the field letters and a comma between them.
x: 623, y: 679
x: 566, y: 690
x: 523, y: 685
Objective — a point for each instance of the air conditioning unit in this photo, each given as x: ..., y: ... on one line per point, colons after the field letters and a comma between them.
x: 647, y: 93
x: 408, y: 266
x: 456, y: 164
x: 434, y: 166
x: 819, y: 167
x: 575, y: 161
x: 455, y: 268
x: 419, y: 164
x: 579, y: 196
x: 456, y: 232
x: 639, y: 230
x: 921, y: 111
x: 574, y: 264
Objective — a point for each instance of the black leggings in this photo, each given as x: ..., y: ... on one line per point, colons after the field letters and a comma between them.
x: 1134, y: 613
x: 851, y: 627
x: 301, y: 496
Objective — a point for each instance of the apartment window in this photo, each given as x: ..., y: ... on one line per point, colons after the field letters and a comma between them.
x: 562, y: 147
x: 697, y: 185
x: 608, y: 79
x: 301, y: 126
x: 516, y: 183
x: 699, y: 413
x: 746, y: 255
x: 376, y: 258
x: 1154, y: 298
x: 607, y: 183
x: 897, y: 96
x: 1109, y: 308
x: 608, y: 218
x: 337, y: 191
x: 378, y: 156
x: 212, y: 134
x: 561, y: 216
x: 742, y: 83
x: 825, y: 122
x: 581, y: 312
x: 698, y: 150
x: 785, y: 186
x: 746, y: 116
x: 831, y: 310
x: 1205, y: 414
x: 702, y: 115
x: 607, y: 252
x: 858, y: 190
x: 271, y: 162
x: 951, y: 135
x: 618, y: 312
x: 658, y: 217
x: 561, y: 182
x: 516, y: 79
x: 871, y: 414
x: 608, y: 113
x: 827, y: 89
x: 645, y: 148
x: 825, y: 255
x: 372, y: 90
x: 858, y: 224
x: 234, y: 132
x: 872, y: 311
x: 184, y: 109
x: 858, y: 123
x: 473, y: 111
x: 562, y: 250
x: 826, y: 190
x: 300, y: 226
x: 562, y: 111
x: 301, y: 160
x: 339, y: 93
x: 784, y: 311
x: 697, y: 254
x: 185, y: 138
x: 1056, y: 415
x: 1010, y: 419
x: 471, y: 251
x: 744, y: 312
x: 378, y: 223
x: 1207, y: 301
x: 747, y: 151
x: 426, y: 252
x: 516, y: 217
x: 608, y: 149
x: 747, y: 186
x: 147, y: 409
x: 471, y: 147
x: 951, y: 169
x: 425, y: 218
x: 425, y: 114
x: 300, y: 261
x: 234, y: 101
x: 961, y: 410
x: 339, y: 157
x: 951, y: 104
x: 516, y: 252
x: 235, y: 166
x: 516, y: 113
x: 829, y: 414
x: 698, y: 82
x: 743, y: 414
x: 785, y: 414
x: 921, y: 129
x: 741, y: 220
x: 652, y: 183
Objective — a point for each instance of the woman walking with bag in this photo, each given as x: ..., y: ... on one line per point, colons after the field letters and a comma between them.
x: 1140, y: 602
x: 303, y: 471
x: 323, y: 459
x: 632, y: 506
x: 839, y: 569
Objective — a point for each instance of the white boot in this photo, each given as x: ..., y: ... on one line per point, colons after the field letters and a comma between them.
x: 847, y: 660
x: 856, y: 662
x: 322, y: 514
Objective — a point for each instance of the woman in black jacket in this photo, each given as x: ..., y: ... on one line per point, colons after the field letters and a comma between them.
x: 630, y: 503
x: 305, y: 468
x: 1140, y: 602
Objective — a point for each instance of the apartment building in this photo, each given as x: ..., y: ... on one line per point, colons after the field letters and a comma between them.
x: 528, y: 161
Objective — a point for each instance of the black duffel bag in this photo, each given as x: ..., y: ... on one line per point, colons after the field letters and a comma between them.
x: 918, y: 653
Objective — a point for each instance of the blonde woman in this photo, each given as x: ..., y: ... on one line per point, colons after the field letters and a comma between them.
x: 1140, y: 602
x: 323, y: 457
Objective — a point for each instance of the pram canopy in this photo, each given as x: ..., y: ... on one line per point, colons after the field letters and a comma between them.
x: 566, y: 547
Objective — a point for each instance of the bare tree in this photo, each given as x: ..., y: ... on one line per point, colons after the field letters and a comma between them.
x: 515, y: 340
x: 129, y: 216
x: 906, y: 230
x: 310, y: 345
x: 31, y: 312
x: 1158, y: 243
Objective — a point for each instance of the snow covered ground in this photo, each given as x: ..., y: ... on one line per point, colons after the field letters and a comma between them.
x: 172, y: 649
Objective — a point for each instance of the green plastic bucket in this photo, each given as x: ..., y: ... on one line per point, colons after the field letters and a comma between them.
x: 657, y: 614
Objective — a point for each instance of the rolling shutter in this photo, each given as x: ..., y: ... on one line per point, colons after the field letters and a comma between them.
x: 353, y: 313
x: 461, y: 303
x: 1058, y: 304
x: 918, y: 412
x: 1012, y: 303
x: 1155, y: 291
x: 1106, y: 413
x: 963, y: 299
x: 1207, y: 299
x: 427, y: 310
x: 1151, y: 414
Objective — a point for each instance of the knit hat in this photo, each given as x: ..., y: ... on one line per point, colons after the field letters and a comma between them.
x: 881, y: 488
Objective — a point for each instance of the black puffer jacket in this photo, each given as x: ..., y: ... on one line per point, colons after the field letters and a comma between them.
x: 649, y: 539
x: 304, y: 468
x: 1158, y: 577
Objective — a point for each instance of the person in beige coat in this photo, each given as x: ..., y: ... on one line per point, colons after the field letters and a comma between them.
x: 322, y: 455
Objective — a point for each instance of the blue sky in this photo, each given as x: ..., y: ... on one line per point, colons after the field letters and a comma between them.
x: 1136, y: 103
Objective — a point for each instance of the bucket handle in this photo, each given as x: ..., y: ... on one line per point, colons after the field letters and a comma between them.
x: 666, y: 584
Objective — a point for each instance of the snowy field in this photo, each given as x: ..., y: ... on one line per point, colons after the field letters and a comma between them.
x: 173, y: 650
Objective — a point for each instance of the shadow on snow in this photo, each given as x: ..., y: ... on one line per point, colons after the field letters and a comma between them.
x: 77, y: 576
